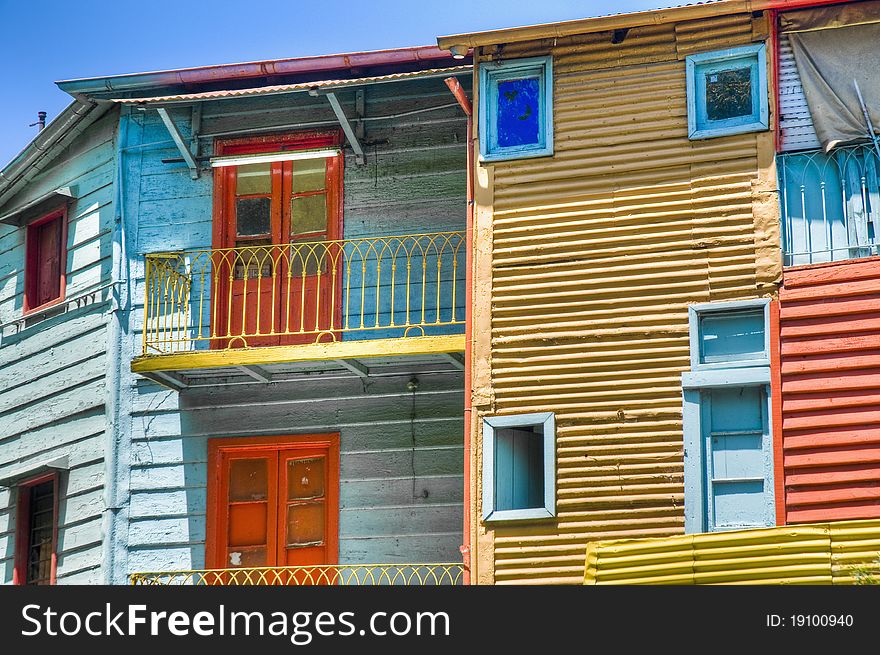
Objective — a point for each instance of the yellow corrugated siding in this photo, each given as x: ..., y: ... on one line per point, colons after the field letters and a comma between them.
x: 596, y: 253
x: 821, y: 553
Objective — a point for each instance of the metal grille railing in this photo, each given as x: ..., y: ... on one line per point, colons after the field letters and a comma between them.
x: 328, y: 574
x: 830, y: 204
x: 375, y: 287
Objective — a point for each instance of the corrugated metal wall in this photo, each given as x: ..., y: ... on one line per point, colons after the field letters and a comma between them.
x: 823, y: 553
x: 596, y: 253
x: 830, y: 360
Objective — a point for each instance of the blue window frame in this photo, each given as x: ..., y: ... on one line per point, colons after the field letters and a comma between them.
x: 519, y: 467
x: 728, y: 472
x: 727, y: 92
x: 516, y: 109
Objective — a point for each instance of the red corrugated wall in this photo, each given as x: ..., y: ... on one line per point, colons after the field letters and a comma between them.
x: 830, y: 371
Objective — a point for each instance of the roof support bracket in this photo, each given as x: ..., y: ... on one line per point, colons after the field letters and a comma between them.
x: 355, y: 367
x: 179, y: 142
x: 347, y: 128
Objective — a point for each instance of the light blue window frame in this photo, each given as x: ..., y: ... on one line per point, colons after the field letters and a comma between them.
x: 491, y: 73
x: 703, y: 378
x: 545, y: 422
x: 698, y: 311
x: 699, y: 125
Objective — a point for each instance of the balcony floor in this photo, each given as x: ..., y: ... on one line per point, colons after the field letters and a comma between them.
x: 363, y: 358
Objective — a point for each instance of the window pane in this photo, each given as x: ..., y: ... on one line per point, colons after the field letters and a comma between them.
x: 41, y: 523
x: 518, y: 112
x: 253, y: 179
x: 309, y: 175
x: 305, y: 524
x: 308, y: 214
x: 728, y: 93
x: 247, y: 558
x: 248, y: 479
x: 311, y: 258
x: 247, y: 524
x: 305, y: 478
x: 732, y: 336
x: 519, y: 469
x: 253, y: 216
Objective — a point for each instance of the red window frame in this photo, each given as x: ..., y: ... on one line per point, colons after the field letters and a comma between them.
x: 35, y: 264
x: 23, y: 528
x: 216, y: 525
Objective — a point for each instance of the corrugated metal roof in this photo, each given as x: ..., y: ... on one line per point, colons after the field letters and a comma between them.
x: 821, y: 553
x: 292, y: 88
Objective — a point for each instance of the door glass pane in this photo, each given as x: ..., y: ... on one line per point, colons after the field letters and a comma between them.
x: 253, y: 216
x: 247, y: 524
x: 248, y: 479
x: 309, y: 175
x: 308, y: 214
x: 247, y: 557
x: 518, y: 112
x: 305, y: 478
x: 305, y: 523
x: 253, y: 179
x: 728, y: 93
x: 309, y: 258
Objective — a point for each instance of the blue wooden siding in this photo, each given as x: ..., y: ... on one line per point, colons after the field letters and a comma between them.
x: 413, y: 183
x: 53, y: 371
x: 400, y: 500
x: 401, y: 476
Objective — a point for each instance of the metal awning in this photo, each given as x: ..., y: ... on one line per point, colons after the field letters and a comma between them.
x: 14, y: 215
x: 292, y: 88
x: 32, y: 470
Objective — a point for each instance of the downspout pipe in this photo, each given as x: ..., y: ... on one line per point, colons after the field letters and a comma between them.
x: 460, y: 95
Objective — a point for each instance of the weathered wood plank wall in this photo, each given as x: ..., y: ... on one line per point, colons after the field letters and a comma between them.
x: 53, y: 372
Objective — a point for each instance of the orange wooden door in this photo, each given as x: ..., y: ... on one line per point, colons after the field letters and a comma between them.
x: 271, y: 286
x: 312, y: 287
x: 273, y: 502
x: 253, y: 266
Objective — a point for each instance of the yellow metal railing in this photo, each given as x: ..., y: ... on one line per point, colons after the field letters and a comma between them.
x: 328, y: 574
x: 375, y: 287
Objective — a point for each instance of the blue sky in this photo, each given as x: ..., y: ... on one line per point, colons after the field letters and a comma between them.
x: 42, y: 41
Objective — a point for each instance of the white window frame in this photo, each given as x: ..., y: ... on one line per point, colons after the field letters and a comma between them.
x: 696, y: 105
x: 703, y: 377
x: 492, y: 71
x: 547, y: 422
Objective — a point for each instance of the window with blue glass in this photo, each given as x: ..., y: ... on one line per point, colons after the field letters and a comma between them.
x: 516, y: 109
x: 728, y: 460
x: 727, y: 92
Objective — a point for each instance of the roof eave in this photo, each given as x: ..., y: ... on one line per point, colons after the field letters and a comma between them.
x: 605, y: 23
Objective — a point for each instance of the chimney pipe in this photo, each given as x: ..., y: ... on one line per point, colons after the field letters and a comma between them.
x: 41, y: 121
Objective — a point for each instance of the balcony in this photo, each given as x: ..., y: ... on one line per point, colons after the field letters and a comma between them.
x: 336, y: 574
x: 261, y: 310
x: 830, y: 204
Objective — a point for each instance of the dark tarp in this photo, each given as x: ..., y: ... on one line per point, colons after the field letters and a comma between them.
x: 832, y: 47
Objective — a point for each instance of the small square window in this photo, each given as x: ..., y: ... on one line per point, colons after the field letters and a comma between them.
x: 727, y: 92
x: 516, y: 109
x: 519, y: 469
x: 731, y: 334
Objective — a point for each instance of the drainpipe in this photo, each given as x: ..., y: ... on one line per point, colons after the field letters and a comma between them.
x: 460, y: 95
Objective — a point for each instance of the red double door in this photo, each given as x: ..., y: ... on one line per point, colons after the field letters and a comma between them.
x: 273, y: 502
x: 276, y: 279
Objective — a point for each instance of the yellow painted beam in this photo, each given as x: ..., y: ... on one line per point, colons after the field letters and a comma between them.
x: 312, y: 352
